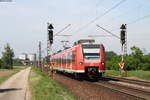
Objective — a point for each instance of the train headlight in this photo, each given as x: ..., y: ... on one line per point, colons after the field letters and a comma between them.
x: 81, y: 63
x: 103, y: 64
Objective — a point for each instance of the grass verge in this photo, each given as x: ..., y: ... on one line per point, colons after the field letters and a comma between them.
x: 5, y: 77
x: 138, y: 73
x: 44, y: 88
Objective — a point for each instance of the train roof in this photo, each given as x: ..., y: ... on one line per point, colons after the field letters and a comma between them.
x: 89, y: 45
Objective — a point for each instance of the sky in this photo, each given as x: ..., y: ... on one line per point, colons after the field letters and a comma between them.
x: 23, y: 23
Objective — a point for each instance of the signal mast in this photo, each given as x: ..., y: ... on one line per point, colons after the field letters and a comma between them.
x: 49, y: 38
x: 123, y: 38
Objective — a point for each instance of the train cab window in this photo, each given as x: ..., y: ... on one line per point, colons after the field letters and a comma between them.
x: 91, y: 53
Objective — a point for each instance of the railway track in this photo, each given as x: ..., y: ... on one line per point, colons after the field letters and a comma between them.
x: 132, y: 81
x: 137, y: 93
x: 124, y: 91
x: 104, y: 88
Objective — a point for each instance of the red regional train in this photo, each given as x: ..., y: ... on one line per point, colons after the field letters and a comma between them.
x: 81, y: 60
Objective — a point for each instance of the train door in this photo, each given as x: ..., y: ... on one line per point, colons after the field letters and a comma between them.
x: 74, y: 60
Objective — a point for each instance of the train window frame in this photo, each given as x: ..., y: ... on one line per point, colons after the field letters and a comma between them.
x: 91, y: 46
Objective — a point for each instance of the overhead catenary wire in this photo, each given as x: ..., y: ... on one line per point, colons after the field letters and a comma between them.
x: 99, y: 35
x: 123, y: 14
x: 57, y: 33
x: 108, y: 31
x: 64, y: 35
x: 98, y: 17
x: 134, y: 21
x: 138, y: 19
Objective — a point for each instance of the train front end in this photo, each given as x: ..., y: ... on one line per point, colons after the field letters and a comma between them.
x: 92, y: 60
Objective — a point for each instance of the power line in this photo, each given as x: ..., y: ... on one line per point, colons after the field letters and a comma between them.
x: 98, y: 17
x: 141, y: 18
x: 62, y: 30
x: 108, y: 31
x: 99, y: 36
x: 64, y: 35
x: 134, y: 21
x: 123, y: 14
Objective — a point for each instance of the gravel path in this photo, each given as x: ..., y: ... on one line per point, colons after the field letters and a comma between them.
x: 84, y: 90
x: 15, y: 88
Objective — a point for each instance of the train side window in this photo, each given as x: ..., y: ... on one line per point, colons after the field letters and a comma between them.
x: 63, y: 60
x: 73, y: 58
x: 69, y: 58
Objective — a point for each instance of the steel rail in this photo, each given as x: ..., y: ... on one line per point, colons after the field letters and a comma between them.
x: 132, y: 81
x: 136, y: 93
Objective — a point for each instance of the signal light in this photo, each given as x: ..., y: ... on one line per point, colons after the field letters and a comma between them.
x: 50, y: 33
x: 123, y: 34
x: 122, y: 37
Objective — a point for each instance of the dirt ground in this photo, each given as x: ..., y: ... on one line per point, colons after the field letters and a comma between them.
x: 5, y: 72
x: 83, y: 90
x: 16, y: 87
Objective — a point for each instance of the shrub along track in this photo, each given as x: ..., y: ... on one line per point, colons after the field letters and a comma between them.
x: 85, y: 90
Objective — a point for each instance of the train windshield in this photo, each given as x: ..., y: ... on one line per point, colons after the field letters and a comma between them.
x: 91, y: 53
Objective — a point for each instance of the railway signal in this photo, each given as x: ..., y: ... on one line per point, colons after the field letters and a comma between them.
x: 123, y: 34
x: 123, y: 38
x: 50, y: 33
x: 49, y: 38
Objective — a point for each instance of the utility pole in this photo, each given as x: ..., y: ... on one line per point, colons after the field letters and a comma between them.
x: 49, y: 44
x: 35, y: 61
x: 123, y: 40
x: 40, y: 64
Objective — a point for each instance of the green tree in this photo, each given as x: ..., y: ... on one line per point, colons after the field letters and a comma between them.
x: 130, y: 63
x: 146, y: 64
x: 134, y: 61
x: 17, y: 62
x: 0, y: 63
x: 7, y: 56
x: 138, y: 57
x: 110, y: 62
x: 113, y: 63
x: 137, y: 52
x: 110, y: 55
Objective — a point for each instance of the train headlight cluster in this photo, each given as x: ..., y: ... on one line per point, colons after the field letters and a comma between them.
x: 81, y: 63
x: 103, y: 64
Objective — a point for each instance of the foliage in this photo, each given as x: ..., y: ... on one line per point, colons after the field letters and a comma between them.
x: 7, y: 56
x: 134, y: 73
x: 112, y: 60
x: 113, y: 64
x: 134, y: 61
x: 44, y: 88
x: 110, y: 55
x: 17, y: 62
x: 0, y: 63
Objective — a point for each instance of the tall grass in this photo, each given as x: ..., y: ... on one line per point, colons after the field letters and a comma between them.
x: 44, y: 88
